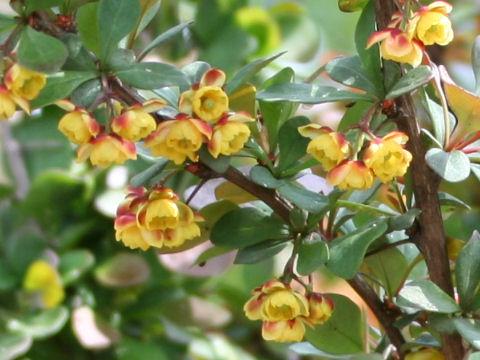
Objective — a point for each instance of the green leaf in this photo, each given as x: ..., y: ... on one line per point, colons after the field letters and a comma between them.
x: 259, y: 252
x: 88, y: 28
x: 370, y: 57
x: 342, y: 333
x: 312, y: 253
x: 436, y: 115
x: 131, y: 349
x: 262, y: 176
x: 306, y: 348
x: 120, y: 59
x: 426, y: 295
x: 474, y: 356
x: 247, y: 72
x: 60, y: 86
x: 353, y: 114
x: 349, y: 71
x: 195, y: 70
x: 219, y: 165
x: 14, y: 345
x: 42, y: 325
x: 293, y: 146
x: 74, y: 264
x: 352, y: 5
x: 142, y: 178
x: 415, y: 78
x: 309, y: 94
x: 476, y: 63
x: 8, y: 279
x: 22, y: 248
x: 469, y: 329
x: 78, y: 56
x: 33, y: 5
x: 7, y: 22
x: 153, y: 75
x: 163, y: 37
x: 41, y: 52
x: 115, y: 20
x: 452, y: 166
x: 467, y: 270
x: 87, y: 93
x: 303, y: 198
x: 403, y: 221
x: 450, y: 200
x: 246, y: 226
x: 388, y: 266
x: 211, y: 253
x: 347, y: 251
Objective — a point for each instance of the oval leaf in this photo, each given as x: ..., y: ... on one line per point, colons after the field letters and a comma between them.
x: 303, y: 198
x: 152, y: 75
x: 39, y: 326
x: 467, y: 270
x: 452, y: 166
x: 74, y: 264
x: 349, y: 71
x: 312, y: 253
x: 262, y: 176
x: 14, y: 345
x: 415, y: 78
x: 259, y: 252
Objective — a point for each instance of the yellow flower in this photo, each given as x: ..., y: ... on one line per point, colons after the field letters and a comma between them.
x: 105, y: 150
x: 229, y: 134
x: 7, y: 105
x: 161, y: 211
x: 206, y: 100
x: 78, y: 126
x: 283, y: 331
x: 135, y: 122
x: 425, y: 354
x: 41, y: 277
x: 396, y: 45
x: 179, y: 138
x: 327, y: 146
x: 275, y: 301
x: 351, y: 175
x: 320, y: 308
x: 431, y: 24
x: 23, y: 82
x: 387, y: 157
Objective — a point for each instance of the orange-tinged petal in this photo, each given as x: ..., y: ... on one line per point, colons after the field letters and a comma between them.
x: 440, y: 6
x: 153, y: 105
x: 378, y: 36
x: 23, y: 82
x: 351, y: 175
x: 66, y: 105
x: 283, y: 331
x: 213, y: 77
x: 7, y: 105
x: 185, y: 103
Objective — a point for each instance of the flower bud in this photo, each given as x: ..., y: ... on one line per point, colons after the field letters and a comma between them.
x: 320, y: 308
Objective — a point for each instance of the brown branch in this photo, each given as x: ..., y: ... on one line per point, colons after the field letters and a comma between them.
x: 429, y: 228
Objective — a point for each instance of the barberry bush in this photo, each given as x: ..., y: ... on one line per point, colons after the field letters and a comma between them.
x: 215, y: 179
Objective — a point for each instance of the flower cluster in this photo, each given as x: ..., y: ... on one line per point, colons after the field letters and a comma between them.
x: 384, y: 157
x: 129, y: 125
x: 19, y: 86
x: 155, y: 218
x: 285, y: 312
x: 42, y: 279
x: 204, y: 118
x: 404, y: 41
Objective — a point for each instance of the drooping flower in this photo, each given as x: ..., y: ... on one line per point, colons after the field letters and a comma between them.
x: 206, y: 100
x: 327, y: 146
x: 320, y: 308
x: 284, y: 330
x: 79, y: 126
x: 387, y: 157
x: 43, y: 278
x: 230, y: 134
x: 9, y: 102
x: 179, y: 138
x: 396, y: 45
x: 105, y: 150
x: 135, y: 122
x: 431, y: 24
x: 351, y: 175
x: 24, y: 82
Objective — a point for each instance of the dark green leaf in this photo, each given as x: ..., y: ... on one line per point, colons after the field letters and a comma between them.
x: 78, y: 56
x: 342, y: 333
x: 115, y: 20
x: 246, y: 226
x: 353, y: 114
x: 141, y: 179
x: 349, y: 71
x: 424, y: 340
x: 211, y: 253
x: 33, y: 5
x: 469, y: 329
x: 247, y: 72
x: 312, y: 253
x: 88, y: 28
x: 219, y: 165
x: 262, y: 176
x: 467, y: 271
x: 292, y: 145
x: 415, y: 78
x: 41, y: 52
x: 153, y: 75
x: 13, y: 345
x: 309, y: 94
x: 452, y: 166
x: 259, y: 252
x: 8, y: 279
x: 60, y: 86
x: 403, y: 221
x: 388, y: 266
x: 42, y: 325
x: 426, y: 295
x: 450, y: 200
x: 476, y: 63
x: 438, y: 121
x: 370, y: 57
x: 7, y: 22
x: 303, y: 198
x: 195, y: 70
x: 86, y: 94
x: 23, y: 248
x: 347, y: 251
x: 131, y: 349
x: 120, y: 59
x: 163, y: 37
x: 74, y: 264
